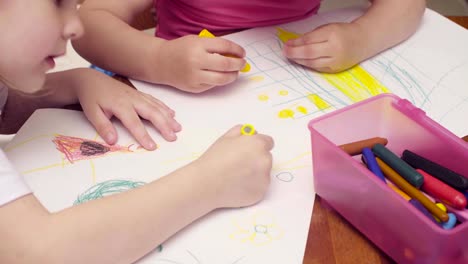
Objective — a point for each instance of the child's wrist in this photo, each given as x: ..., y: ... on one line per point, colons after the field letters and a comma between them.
x: 365, y: 38
x: 154, y: 69
x: 207, y: 177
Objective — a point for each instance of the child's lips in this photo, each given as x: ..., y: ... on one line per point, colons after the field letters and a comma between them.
x: 50, y: 62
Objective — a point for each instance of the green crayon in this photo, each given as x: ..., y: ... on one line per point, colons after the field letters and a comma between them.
x: 400, y: 166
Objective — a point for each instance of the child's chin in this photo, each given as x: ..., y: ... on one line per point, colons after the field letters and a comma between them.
x: 32, y: 84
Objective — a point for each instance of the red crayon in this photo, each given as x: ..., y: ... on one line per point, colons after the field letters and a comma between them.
x: 442, y: 191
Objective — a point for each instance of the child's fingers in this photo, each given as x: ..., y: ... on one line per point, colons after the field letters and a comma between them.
x: 319, y: 64
x: 102, y: 124
x: 310, y: 51
x: 217, y: 78
x: 133, y: 123
x: 220, y: 63
x: 161, y: 120
x: 267, y: 141
x: 319, y: 35
x: 233, y: 131
x: 159, y: 103
x: 223, y: 46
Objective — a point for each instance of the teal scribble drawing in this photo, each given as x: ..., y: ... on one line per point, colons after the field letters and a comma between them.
x: 108, y: 188
x: 105, y: 189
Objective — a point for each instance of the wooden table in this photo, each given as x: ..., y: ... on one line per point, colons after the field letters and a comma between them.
x: 331, y: 238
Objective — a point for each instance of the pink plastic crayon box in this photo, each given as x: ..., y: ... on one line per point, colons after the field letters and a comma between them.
x: 389, y: 221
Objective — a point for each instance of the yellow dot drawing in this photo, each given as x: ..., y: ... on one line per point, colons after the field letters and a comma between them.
x: 356, y: 83
x: 260, y: 230
x: 286, y: 113
x: 283, y: 92
x: 247, y: 130
x: 318, y: 101
x: 302, y: 109
x: 263, y: 97
x: 257, y: 78
x: 206, y: 34
x: 285, y: 35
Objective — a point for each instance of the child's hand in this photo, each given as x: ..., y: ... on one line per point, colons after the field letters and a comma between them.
x: 102, y: 97
x: 194, y: 64
x: 237, y: 168
x: 329, y: 48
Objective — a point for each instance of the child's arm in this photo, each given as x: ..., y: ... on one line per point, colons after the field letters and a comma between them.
x: 188, y: 63
x: 122, y: 228
x: 338, y: 46
x: 101, y: 98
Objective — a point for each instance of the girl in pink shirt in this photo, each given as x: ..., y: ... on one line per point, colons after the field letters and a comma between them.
x: 178, y: 18
x: 177, y: 57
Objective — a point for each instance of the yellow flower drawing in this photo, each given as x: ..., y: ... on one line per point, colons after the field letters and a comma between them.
x: 261, y: 229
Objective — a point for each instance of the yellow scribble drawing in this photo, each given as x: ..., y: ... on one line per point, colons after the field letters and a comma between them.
x: 256, y: 78
x: 286, y: 113
x: 188, y: 157
x: 356, y: 83
x: 10, y: 148
x: 260, y: 230
x: 285, y: 35
x: 302, y: 160
x: 318, y: 101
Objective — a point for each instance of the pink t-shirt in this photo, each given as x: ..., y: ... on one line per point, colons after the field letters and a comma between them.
x: 178, y: 18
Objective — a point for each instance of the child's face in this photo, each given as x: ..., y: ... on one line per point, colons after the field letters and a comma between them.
x: 32, y: 34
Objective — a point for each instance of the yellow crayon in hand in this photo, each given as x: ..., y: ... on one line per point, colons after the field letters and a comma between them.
x: 285, y: 35
x: 206, y: 34
x: 247, y: 130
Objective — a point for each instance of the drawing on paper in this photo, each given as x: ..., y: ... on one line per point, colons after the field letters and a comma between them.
x: 75, y: 148
x: 260, y: 230
x: 285, y: 176
x: 107, y: 188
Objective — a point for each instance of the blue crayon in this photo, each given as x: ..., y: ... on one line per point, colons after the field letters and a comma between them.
x: 102, y: 70
x: 369, y: 159
x: 451, y: 222
x: 401, y: 167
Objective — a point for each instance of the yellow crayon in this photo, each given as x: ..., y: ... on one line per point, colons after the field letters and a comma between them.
x: 400, y: 192
x: 247, y: 130
x: 206, y: 34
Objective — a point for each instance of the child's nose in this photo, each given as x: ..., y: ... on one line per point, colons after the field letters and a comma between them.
x: 73, y: 27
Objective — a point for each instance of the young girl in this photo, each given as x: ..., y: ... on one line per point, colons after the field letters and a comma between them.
x: 124, y: 227
x: 193, y: 64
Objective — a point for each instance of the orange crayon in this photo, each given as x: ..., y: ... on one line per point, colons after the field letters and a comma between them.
x: 465, y: 138
x: 412, y: 191
x: 355, y: 148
